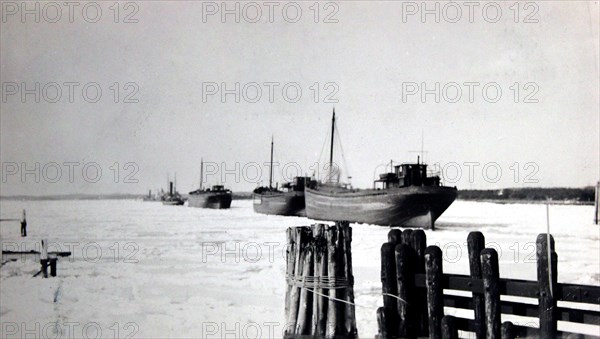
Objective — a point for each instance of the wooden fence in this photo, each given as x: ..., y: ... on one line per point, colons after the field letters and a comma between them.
x: 413, y: 285
x: 319, y: 301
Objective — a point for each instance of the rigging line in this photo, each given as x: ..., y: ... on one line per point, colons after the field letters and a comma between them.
x: 342, y: 150
x: 349, y: 302
x: 322, y: 150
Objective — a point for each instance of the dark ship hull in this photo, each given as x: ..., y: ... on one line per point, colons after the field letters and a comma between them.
x: 414, y: 206
x: 210, y: 200
x: 280, y: 203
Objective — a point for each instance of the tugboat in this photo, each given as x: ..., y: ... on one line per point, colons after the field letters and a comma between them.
x: 173, y: 198
x: 288, y: 201
x: 217, y: 197
x: 408, y: 196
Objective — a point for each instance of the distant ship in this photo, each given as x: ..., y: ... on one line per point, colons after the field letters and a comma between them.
x: 151, y: 197
x: 173, y: 198
x: 216, y: 197
x: 407, y: 197
x: 288, y: 201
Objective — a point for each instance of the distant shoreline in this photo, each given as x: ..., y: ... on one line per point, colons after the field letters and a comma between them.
x: 236, y: 196
x: 533, y: 202
x: 552, y: 196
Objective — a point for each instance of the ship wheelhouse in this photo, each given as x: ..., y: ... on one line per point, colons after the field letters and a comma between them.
x: 405, y: 175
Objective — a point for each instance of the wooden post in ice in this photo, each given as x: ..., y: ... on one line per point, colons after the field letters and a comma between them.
x: 547, y: 283
x: 491, y: 287
x: 23, y: 225
x: 320, y: 297
x: 476, y: 244
x: 44, y: 258
x: 597, y: 213
x: 435, y: 290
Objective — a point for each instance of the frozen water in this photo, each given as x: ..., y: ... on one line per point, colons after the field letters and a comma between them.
x: 148, y: 270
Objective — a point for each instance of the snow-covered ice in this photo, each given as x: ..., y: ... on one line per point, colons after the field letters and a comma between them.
x: 146, y: 270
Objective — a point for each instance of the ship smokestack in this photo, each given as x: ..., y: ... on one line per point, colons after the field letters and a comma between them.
x: 170, y: 188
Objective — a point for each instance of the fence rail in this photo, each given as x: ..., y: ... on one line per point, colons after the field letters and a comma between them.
x: 413, y: 285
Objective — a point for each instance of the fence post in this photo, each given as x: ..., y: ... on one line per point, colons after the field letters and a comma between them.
x: 389, y: 285
x: 405, y: 280
x: 449, y: 330
x: 491, y: 288
x: 476, y: 243
x: 547, y: 282
x: 419, y: 243
x: 435, y: 290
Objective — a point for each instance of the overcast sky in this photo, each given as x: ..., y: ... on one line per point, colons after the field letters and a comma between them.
x: 371, y: 60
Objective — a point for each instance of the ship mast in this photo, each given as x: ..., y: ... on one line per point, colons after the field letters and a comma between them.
x: 201, y: 172
x: 271, y: 166
x: 331, y: 148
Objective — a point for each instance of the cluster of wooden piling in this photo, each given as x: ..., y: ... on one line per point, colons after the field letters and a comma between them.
x: 404, y: 308
x: 320, y: 295
x: 413, y: 285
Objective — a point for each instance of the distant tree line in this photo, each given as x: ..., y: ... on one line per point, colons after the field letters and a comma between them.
x: 586, y: 194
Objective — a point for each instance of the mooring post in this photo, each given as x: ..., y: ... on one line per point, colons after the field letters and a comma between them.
x: 320, y: 271
x: 53, y: 262
x: 351, y: 329
x: 23, y: 225
x: 596, y: 204
x: 405, y: 282
x: 491, y: 287
x: 435, y: 290
x: 44, y: 258
x: 389, y: 286
x: 476, y: 244
x: 547, y: 283
x: 304, y: 325
x: 407, y: 236
x: 395, y: 236
x: 419, y: 243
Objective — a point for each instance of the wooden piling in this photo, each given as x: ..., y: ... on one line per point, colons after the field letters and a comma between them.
x: 405, y: 282
x: 334, y: 327
x: 491, y: 287
x: 435, y: 291
x: 547, y: 283
x: 508, y: 330
x: 419, y: 243
x: 476, y: 243
x: 382, y: 323
x: 395, y: 236
x: 449, y: 330
x: 407, y: 236
x: 597, y: 204
x: 298, y: 235
x: 53, y: 266
x: 389, y: 286
x: 320, y: 302
x: 304, y: 324
x: 350, y: 312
